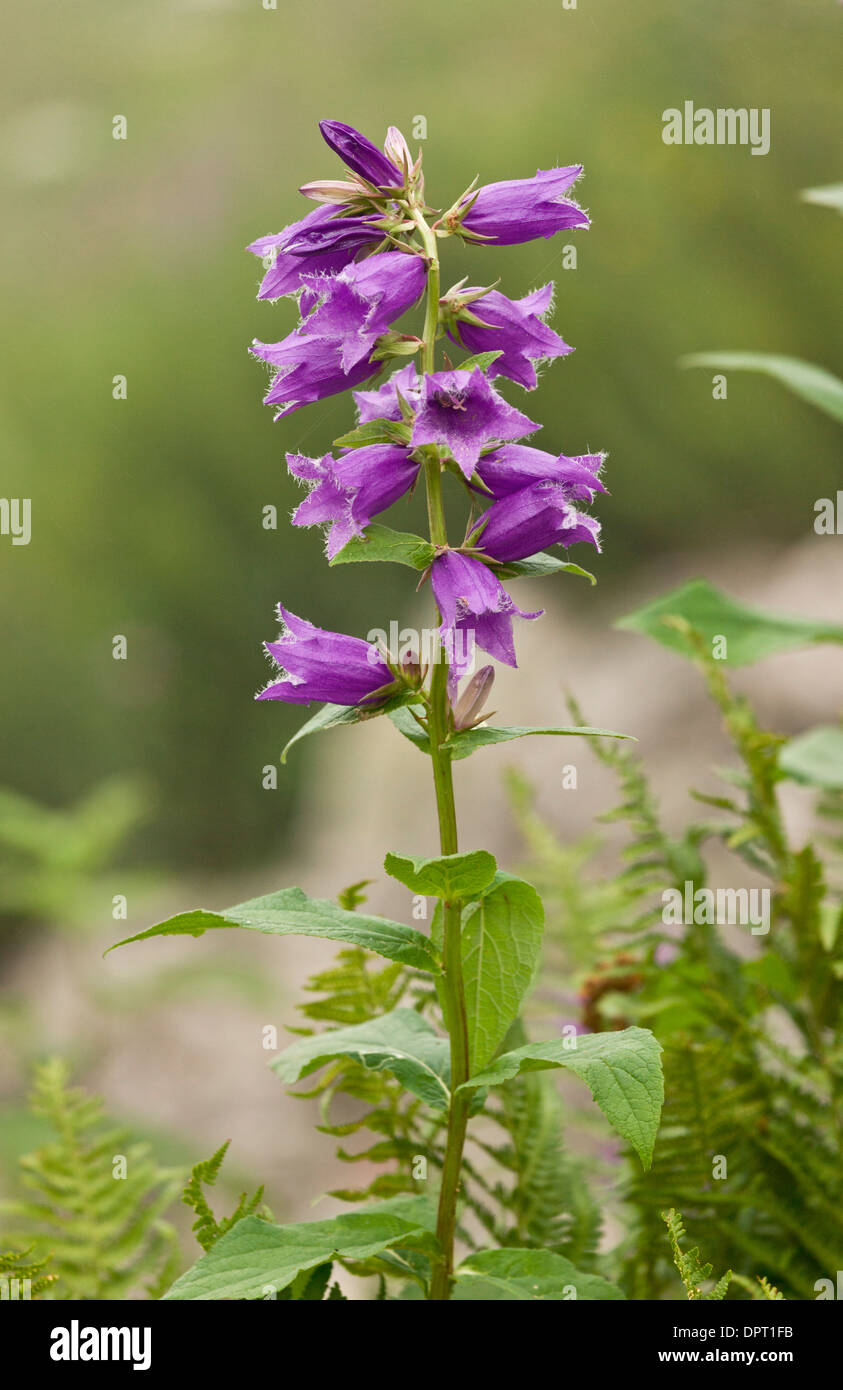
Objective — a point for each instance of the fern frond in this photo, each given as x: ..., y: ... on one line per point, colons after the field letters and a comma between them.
x: 98, y: 1200
x: 206, y: 1227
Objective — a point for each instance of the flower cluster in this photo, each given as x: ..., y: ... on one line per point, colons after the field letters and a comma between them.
x: 357, y: 264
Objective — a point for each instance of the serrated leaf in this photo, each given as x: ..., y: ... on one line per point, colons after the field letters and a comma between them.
x: 815, y: 758
x: 290, y: 912
x: 501, y: 946
x: 466, y: 741
x: 375, y: 432
x: 527, y: 1276
x: 400, y: 1042
x: 622, y: 1070
x: 811, y: 383
x: 388, y: 546
x: 256, y: 1257
x: 539, y: 565
x: 335, y: 716
x: 451, y: 876
x: 750, y: 634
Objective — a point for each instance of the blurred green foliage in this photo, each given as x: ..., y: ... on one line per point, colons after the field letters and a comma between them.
x: 126, y: 257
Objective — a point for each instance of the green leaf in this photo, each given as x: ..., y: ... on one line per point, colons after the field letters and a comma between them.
x: 256, y: 1257
x: 830, y: 195
x: 539, y: 565
x: 483, y: 360
x: 813, y: 384
x: 334, y: 716
x: 291, y: 912
x: 466, y: 741
x: 375, y: 432
x: 815, y: 758
x: 400, y: 1042
x: 750, y: 634
x: 622, y: 1070
x: 525, y: 1276
x: 452, y: 876
x: 410, y: 728
x: 501, y: 945
x: 394, y: 547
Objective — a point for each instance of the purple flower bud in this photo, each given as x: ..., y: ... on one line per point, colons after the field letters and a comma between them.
x: 529, y: 521
x: 320, y: 665
x: 519, y: 210
x: 361, y: 155
x: 516, y: 466
x: 361, y: 302
x: 351, y: 490
x: 461, y: 411
x: 383, y: 404
x: 516, y: 331
x: 285, y: 275
x: 473, y: 601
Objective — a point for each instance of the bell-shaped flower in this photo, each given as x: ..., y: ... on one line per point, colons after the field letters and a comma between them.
x: 319, y: 665
x: 309, y: 369
x: 473, y: 603
x: 324, y: 243
x: 357, y: 305
x: 462, y: 412
x: 528, y: 521
x: 516, y: 466
x: 518, y: 210
x: 348, y: 492
x: 512, y: 327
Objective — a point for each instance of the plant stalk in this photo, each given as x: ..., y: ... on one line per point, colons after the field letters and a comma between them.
x: 452, y: 994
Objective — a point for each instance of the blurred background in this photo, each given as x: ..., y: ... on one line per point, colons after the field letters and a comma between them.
x: 145, y: 777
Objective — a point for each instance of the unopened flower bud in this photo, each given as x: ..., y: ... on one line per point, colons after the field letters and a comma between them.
x: 473, y: 698
x: 332, y: 190
x: 396, y: 148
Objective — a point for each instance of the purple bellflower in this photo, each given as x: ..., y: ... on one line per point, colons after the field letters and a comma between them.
x: 320, y: 665
x: 516, y: 466
x: 348, y: 492
x: 339, y: 240
x: 309, y: 369
x: 519, y: 210
x: 361, y: 155
x: 461, y: 411
x: 515, y: 329
x: 359, y: 303
x: 528, y: 521
x: 472, y: 601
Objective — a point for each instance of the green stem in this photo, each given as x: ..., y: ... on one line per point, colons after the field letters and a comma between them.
x: 452, y: 994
